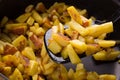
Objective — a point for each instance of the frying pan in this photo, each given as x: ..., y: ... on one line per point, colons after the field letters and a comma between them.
x: 101, y: 9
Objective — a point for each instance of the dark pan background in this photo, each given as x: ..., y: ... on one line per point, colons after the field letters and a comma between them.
x: 101, y: 9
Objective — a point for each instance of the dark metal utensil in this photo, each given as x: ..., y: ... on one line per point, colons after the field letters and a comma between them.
x: 115, y: 17
x: 3, y: 77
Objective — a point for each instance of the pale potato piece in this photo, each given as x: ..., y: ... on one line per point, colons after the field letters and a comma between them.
x: 106, y: 43
x: 30, y: 21
x: 107, y: 77
x: 29, y: 8
x: 80, y: 74
x: 8, y: 59
x: 74, y: 14
x: 21, y: 67
x: 54, y: 47
x: 35, y: 77
x: 4, y: 21
x: 55, y: 29
x: 92, y: 49
x: 40, y: 7
x: 16, y: 75
x: 29, y: 53
x: 69, y: 31
x: 101, y: 55
x: 61, y: 39
x: 7, y: 71
x: 97, y: 30
x: 73, y: 34
x: 43, y: 51
x: 22, y: 18
x: 81, y: 30
x: 49, y: 68
x: 61, y: 28
x: 1, y: 49
x: 48, y: 71
x: 92, y: 76
x: 32, y: 68
x: 11, y: 26
x: 81, y: 46
x: 71, y: 74
x: 64, y: 53
x: 39, y: 31
x: 102, y: 36
x: 80, y: 66
x: 113, y: 55
x: 20, y: 42
x: 74, y: 58
x: 37, y: 17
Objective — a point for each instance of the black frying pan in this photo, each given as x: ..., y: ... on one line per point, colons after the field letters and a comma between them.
x: 101, y: 9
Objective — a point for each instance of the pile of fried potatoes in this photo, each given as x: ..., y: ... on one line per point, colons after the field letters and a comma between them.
x: 22, y: 51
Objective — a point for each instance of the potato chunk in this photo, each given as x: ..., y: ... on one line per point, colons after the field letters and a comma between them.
x: 16, y: 75
x: 54, y: 47
x: 77, y: 27
x: 16, y: 28
x: 107, y: 77
x: 74, y: 14
x: 61, y: 39
x: 37, y: 17
x: 97, y: 30
x: 10, y: 60
x: 100, y: 55
x: 74, y: 58
x: 106, y: 43
x: 79, y: 45
x: 32, y: 68
x: 20, y: 42
x: 22, y: 18
x: 29, y: 53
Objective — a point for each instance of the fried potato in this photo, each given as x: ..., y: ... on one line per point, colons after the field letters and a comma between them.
x: 37, y: 17
x: 16, y: 75
x: 4, y: 21
x: 81, y: 46
x: 100, y: 55
x: 71, y: 74
x: 75, y: 15
x: 23, y: 54
x: 22, y: 18
x: 54, y: 47
x: 20, y: 42
x: 29, y: 8
x: 40, y: 7
x: 64, y: 52
x: 30, y: 21
x: 107, y: 77
x: 106, y: 43
x: 61, y: 39
x: 75, y: 26
x: 73, y: 55
x: 17, y: 28
x: 29, y: 53
x: 32, y: 68
x: 97, y: 30
x: 92, y: 76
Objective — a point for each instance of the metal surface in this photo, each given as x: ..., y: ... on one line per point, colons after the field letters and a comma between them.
x: 2, y: 77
